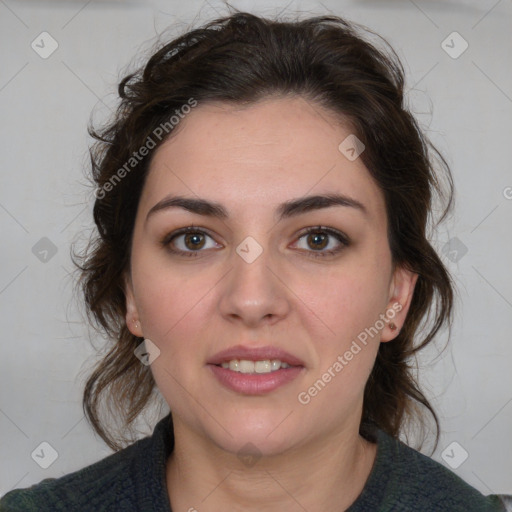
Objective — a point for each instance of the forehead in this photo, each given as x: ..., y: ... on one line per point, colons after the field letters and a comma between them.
x: 259, y: 155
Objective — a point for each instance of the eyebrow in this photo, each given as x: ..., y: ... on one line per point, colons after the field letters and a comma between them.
x: 285, y: 210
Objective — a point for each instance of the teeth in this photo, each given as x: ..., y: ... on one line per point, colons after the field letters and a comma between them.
x: 262, y: 367
x: 275, y: 364
x: 245, y: 366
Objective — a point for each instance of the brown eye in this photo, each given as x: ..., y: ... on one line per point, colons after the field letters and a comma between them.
x: 188, y: 241
x: 317, y: 239
x: 194, y: 241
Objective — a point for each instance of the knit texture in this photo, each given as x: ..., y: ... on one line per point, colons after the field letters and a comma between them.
x: 402, y: 479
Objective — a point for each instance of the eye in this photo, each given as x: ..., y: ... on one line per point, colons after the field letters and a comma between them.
x: 191, y: 240
x: 317, y: 239
x: 187, y: 241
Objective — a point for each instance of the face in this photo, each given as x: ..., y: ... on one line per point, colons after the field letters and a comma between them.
x: 264, y: 275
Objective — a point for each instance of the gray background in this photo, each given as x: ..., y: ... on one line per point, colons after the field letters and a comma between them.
x: 464, y: 103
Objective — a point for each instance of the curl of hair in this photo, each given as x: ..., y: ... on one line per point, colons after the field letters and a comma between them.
x: 241, y: 59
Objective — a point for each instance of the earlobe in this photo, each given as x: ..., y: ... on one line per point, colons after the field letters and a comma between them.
x: 401, y: 293
x: 132, y: 315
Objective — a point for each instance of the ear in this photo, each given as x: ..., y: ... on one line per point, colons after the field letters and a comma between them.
x: 401, y: 291
x: 132, y: 314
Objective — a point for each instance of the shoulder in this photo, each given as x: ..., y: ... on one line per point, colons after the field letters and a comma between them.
x: 129, y: 480
x: 414, y: 481
x: 95, y: 487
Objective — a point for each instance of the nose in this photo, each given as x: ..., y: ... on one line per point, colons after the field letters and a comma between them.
x: 253, y: 292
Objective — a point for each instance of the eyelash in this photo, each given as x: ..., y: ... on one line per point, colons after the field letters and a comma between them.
x: 343, y: 239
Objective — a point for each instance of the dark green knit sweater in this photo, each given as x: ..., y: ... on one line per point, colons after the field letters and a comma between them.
x: 133, y: 479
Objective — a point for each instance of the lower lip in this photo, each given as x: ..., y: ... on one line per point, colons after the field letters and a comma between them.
x: 255, y: 383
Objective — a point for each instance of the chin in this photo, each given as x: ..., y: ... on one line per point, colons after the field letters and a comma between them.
x: 264, y: 432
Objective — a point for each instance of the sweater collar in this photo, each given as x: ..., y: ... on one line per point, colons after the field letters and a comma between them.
x: 151, y: 479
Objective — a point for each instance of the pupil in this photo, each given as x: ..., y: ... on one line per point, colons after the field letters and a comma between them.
x: 317, y: 238
x: 196, y: 240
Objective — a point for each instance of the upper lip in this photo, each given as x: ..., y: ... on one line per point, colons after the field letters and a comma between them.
x: 254, y: 354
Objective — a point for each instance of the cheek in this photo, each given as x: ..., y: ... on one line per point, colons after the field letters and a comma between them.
x: 344, y: 344
x: 347, y: 299
x: 167, y: 296
x: 172, y: 308
x: 175, y: 312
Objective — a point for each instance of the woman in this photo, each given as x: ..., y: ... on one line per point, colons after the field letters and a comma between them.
x: 262, y: 204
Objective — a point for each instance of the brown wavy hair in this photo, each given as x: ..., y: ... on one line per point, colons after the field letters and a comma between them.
x: 240, y: 59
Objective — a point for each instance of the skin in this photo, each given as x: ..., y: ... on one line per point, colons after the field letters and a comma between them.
x: 251, y: 159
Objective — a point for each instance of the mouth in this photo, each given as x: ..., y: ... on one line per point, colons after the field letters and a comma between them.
x: 255, y: 371
x: 264, y: 359
x: 251, y: 367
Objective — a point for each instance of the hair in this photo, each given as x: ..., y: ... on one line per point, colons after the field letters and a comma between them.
x: 240, y: 59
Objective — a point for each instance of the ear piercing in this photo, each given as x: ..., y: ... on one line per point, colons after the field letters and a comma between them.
x: 392, y: 326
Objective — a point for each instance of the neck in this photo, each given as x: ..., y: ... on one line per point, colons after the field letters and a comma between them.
x: 327, y: 474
